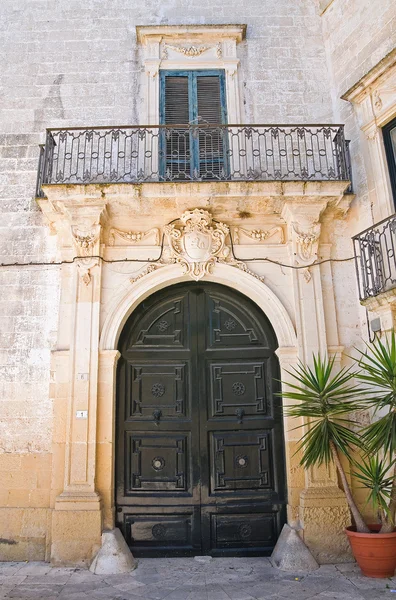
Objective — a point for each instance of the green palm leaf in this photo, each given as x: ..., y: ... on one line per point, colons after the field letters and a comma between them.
x: 379, y: 374
x: 325, y: 399
x: 374, y: 475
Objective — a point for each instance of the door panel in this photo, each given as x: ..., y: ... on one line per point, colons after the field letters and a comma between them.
x: 243, y: 531
x: 157, y: 463
x: 238, y: 390
x: 158, y: 386
x: 240, y: 462
x: 199, y: 463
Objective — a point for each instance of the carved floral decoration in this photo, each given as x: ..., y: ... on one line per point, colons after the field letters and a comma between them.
x: 133, y: 237
x: 191, y: 51
x: 85, y: 240
x: 259, y: 235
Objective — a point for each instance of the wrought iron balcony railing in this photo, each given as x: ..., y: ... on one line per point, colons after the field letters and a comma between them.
x: 375, y: 258
x: 201, y: 152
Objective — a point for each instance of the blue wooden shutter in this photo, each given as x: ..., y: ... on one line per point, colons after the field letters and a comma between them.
x: 211, y: 110
x: 192, y: 97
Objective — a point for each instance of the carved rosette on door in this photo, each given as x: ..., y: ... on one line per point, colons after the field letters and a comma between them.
x: 200, y: 444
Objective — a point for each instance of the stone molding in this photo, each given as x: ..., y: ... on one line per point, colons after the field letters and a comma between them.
x: 126, y: 300
x: 374, y: 100
x: 190, y: 47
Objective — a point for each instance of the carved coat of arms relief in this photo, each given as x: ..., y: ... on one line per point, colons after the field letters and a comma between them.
x: 198, y: 243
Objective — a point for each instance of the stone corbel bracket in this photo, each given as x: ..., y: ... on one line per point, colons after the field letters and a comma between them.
x: 133, y: 237
x: 304, y: 228
x: 86, y: 220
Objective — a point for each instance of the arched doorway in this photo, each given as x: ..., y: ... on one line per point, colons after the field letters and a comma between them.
x: 199, y: 436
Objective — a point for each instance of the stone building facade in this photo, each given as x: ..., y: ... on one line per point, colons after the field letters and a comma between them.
x: 84, y: 251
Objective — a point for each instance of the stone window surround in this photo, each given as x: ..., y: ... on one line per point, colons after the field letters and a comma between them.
x: 186, y: 47
x: 374, y: 101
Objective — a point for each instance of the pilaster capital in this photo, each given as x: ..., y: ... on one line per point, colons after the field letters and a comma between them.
x: 303, y: 220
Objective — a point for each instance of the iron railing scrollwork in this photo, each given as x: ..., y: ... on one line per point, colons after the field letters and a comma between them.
x: 375, y: 258
x: 203, y: 152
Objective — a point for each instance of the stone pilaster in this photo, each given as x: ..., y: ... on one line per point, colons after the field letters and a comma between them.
x: 323, y: 512
x: 77, y: 520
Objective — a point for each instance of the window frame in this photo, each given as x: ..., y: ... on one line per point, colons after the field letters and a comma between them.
x: 390, y: 154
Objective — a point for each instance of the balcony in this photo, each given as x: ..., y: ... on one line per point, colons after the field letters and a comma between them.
x: 375, y: 258
x: 194, y: 153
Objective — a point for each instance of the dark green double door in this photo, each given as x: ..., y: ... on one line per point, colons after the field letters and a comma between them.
x: 200, y: 459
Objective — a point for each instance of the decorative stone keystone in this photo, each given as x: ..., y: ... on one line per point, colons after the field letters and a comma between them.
x: 291, y: 554
x: 114, y: 557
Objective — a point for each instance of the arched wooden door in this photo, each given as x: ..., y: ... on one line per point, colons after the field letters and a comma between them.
x: 200, y: 450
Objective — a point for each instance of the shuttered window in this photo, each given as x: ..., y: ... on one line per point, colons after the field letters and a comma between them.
x: 192, y: 98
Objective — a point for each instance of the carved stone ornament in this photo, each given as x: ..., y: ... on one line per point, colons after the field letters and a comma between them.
x: 259, y: 235
x: 84, y: 239
x: 84, y: 266
x: 133, y: 237
x: 306, y: 242
x: 146, y: 271
x: 198, y: 243
x: 377, y: 100
x: 190, y: 51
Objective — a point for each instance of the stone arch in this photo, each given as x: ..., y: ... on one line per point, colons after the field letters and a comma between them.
x: 117, y: 314
x: 245, y: 283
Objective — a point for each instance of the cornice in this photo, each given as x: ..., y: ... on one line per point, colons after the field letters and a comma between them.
x: 146, y: 33
x: 358, y: 91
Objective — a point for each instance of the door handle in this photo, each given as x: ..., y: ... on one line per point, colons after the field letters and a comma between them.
x: 157, y: 414
x: 240, y: 414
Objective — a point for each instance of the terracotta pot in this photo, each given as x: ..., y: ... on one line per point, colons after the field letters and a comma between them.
x: 375, y: 553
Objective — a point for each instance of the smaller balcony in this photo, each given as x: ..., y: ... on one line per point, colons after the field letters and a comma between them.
x: 375, y: 258
x: 197, y: 153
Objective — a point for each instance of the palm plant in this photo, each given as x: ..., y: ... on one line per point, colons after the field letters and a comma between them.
x: 373, y: 474
x: 378, y: 364
x: 326, y: 399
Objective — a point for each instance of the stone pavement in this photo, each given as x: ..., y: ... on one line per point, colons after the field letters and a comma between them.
x: 191, y: 579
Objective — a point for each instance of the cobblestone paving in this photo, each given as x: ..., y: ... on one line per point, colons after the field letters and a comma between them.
x: 191, y: 579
